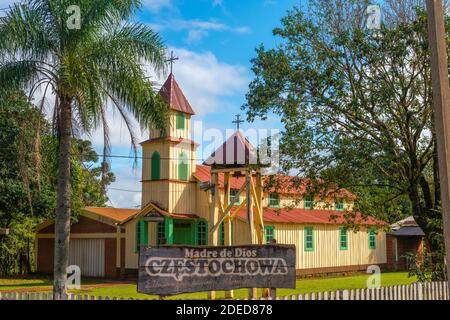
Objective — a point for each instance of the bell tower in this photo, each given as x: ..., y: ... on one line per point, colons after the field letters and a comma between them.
x: 169, y: 159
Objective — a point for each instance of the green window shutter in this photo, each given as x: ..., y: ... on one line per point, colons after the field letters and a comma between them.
x: 141, y: 234
x: 202, y: 233
x: 137, y: 239
x: 309, y: 238
x: 168, y: 223
x: 156, y: 166
x: 269, y: 234
x: 339, y: 205
x: 274, y: 200
x: 182, y: 167
x: 372, y: 239
x: 343, y: 238
x: 309, y: 203
x: 181, y: 123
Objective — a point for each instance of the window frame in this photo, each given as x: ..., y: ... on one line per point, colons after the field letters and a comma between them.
x: 202, y: 234
x: 238, y: 200
x: 338, y: 205
x: 341, y: 234
x: 306, y: 241
x: 160, y: 233
x: 311, y: 202
x: 372, y: 236
x: 270, y: 198
x: 266, y: 229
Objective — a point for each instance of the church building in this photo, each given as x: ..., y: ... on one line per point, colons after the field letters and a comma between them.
x: 175, y: 210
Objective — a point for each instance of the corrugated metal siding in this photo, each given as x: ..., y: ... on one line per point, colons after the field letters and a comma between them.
x: 89, y: 255
x: 327, y: 251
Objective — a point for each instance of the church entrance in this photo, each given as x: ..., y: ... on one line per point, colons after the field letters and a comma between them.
x: 183, y: 232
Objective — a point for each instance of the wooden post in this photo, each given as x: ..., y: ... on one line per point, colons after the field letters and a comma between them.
x: 227, y: 223
x: 441, y: 102
x: 213, y: 217
x: 252, y: 292
x: 249, y: 208
x: 273, y: 293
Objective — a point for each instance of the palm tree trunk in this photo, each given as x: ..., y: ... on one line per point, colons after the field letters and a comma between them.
x: 62, y: 220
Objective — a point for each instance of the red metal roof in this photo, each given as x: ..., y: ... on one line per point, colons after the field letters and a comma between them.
x: 174, y: 97
x: 116, y: 214
x: 284, y: 184
x: 237, y: 150
x: 171, y: 139
x: 304, y: 216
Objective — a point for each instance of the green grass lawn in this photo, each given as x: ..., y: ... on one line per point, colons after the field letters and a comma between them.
x: 303, y: 286
x: 32, y: 283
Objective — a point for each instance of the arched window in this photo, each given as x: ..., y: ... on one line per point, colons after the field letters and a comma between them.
x: 182, y: 167
x: 156, y: 166
x: 180, y: 119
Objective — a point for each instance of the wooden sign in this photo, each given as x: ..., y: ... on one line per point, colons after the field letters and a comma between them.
x: 170, y: 270
x: 4, y: 231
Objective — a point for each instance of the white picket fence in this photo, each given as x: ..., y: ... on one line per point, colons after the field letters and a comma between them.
x: 415, y: 291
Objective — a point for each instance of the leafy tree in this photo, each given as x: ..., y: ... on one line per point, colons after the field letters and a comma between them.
x: 86, y: 67
x: 356, y: 105
x: 28, y: 167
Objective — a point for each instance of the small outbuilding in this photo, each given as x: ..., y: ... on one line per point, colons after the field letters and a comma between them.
x: 406, y: 237
x: 97, y: 243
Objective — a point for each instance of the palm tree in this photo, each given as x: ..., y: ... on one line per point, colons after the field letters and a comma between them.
x: 84, y: 69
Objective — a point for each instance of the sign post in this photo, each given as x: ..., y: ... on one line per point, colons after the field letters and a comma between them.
x: 171, y: 270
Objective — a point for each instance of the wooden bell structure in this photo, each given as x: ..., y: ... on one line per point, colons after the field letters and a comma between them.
x: 237, y: 158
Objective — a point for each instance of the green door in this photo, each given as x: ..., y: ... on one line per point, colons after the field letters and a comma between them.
x: 182, y: 233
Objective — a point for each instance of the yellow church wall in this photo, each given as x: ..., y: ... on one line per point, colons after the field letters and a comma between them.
x: 132, y: 257
x: 327, y: 252
x: 182, y: 197
x: 156, y: 191
x: 203, y: 200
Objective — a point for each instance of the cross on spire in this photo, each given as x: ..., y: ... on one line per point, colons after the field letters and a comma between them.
x: 172, y: 60
x: 238, y: 121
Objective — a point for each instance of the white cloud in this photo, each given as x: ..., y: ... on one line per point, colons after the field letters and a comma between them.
x: 198, y: 27
x: 156, y: 5
x: 195, y: 36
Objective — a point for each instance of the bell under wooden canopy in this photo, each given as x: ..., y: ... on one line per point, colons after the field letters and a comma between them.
x: 237, y: 152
